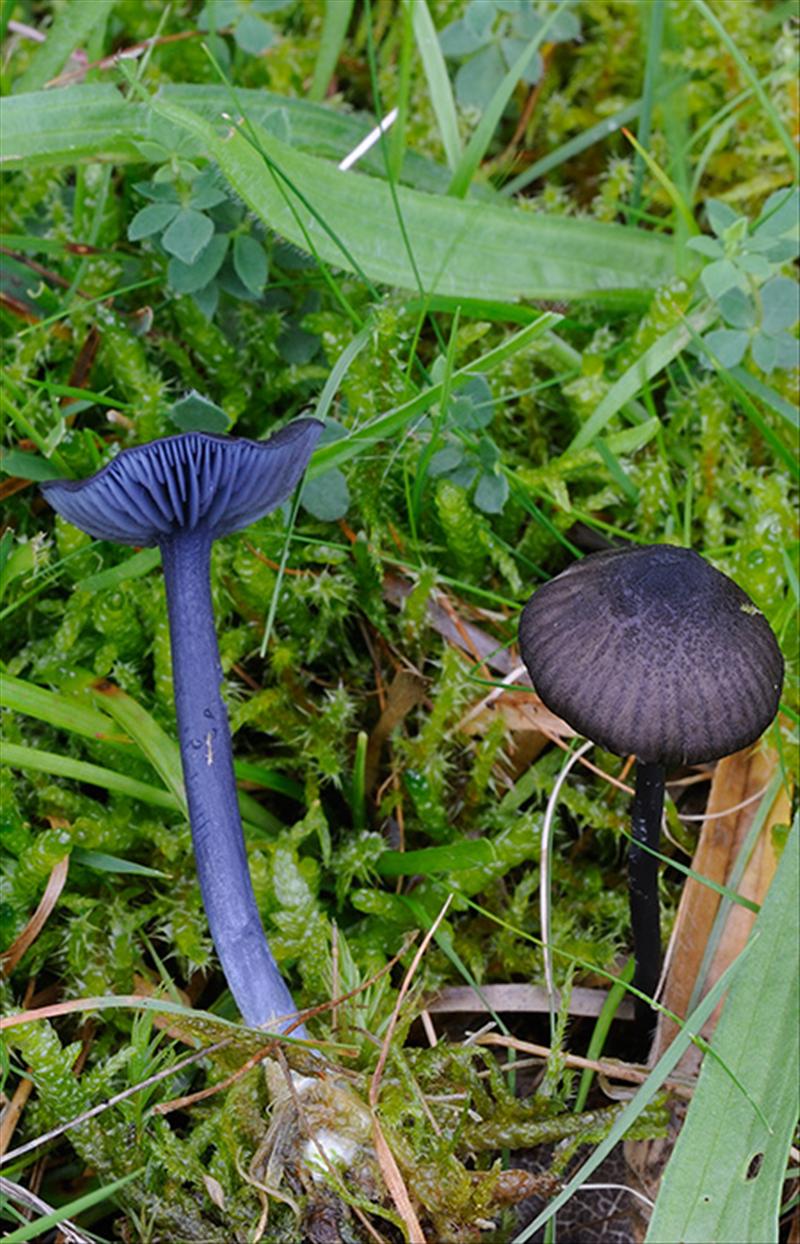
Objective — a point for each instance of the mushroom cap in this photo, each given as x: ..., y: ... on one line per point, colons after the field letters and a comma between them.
x: 191, y: 482
x: 651, y: 651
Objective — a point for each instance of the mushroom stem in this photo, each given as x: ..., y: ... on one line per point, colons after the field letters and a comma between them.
x: 207, y: 757
x: 648, y: 806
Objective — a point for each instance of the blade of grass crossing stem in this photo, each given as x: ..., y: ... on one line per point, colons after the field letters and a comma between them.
x: 17, y: 756
x: 478, y: 144
x: 162, y: 751
x: 727, y: 1169
x: 40, y: 1226
x: 641, y: 1098
x: 57, y: 708
x: 747, y: 71
x: 334, y: 29
x: 71, y: 29
x: 655, y: 32
x: 438, y: 79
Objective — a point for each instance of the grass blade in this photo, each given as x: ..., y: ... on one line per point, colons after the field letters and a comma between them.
x: 653, y: 361
x: 70, y: 30
x: 725, y: 1176
x: 42, y: 1225
x: 17, y: 756
x: 94, y: 121
x: 394, y: 421
x: 478, y: 144
x: 57, y: 708
x: 747, y: 72
x: 651, y: 71
x: 438, y: 79
x: 334, y: 29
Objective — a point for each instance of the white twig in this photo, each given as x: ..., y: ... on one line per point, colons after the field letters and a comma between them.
x: 370, y: 141
x: 544, y: 867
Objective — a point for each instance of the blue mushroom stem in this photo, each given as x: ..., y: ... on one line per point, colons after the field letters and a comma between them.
x: 648, y: 805
x: 207, y: 756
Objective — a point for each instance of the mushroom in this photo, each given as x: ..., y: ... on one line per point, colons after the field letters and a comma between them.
x: 652, y: 652
x: 181, y: 493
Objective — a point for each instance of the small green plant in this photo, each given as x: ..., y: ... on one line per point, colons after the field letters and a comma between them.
x: 204, y: 233
x: 469, y: 455
x: 489, y: 38
x: 757, y: 304
x: 251, y: 33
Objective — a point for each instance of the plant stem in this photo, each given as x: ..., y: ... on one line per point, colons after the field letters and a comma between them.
x: 648, y: 805
x: 207, y: 758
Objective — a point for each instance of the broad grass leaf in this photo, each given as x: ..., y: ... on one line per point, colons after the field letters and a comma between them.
x: 522, y: 254
x: 25, y: 465
x: 724, y: 1178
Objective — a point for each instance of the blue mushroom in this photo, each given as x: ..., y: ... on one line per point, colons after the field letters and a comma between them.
x: 181, y: 493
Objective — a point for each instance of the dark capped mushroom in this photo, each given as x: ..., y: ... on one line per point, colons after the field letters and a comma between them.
x: 649, y: 651
x: 181, y: 493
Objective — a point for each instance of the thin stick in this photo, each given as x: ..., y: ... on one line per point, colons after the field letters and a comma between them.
x: 375, y: 1083
x: 616, y: 1071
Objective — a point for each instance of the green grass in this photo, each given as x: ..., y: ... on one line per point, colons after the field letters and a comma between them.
x: 513, y: 360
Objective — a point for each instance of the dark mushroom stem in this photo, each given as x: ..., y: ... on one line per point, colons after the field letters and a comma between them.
x: 648, y: 806
x: 207, y: 758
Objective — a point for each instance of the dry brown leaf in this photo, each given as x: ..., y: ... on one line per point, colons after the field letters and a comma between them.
x: 736, y: 779
x: 12, y: 1113
x: 405, y: 692
x: 395, y: 1183
x: 55, y: 884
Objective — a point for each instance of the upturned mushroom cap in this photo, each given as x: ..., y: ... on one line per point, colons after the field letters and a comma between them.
x: 191, y: 482
x: 651, y: 651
